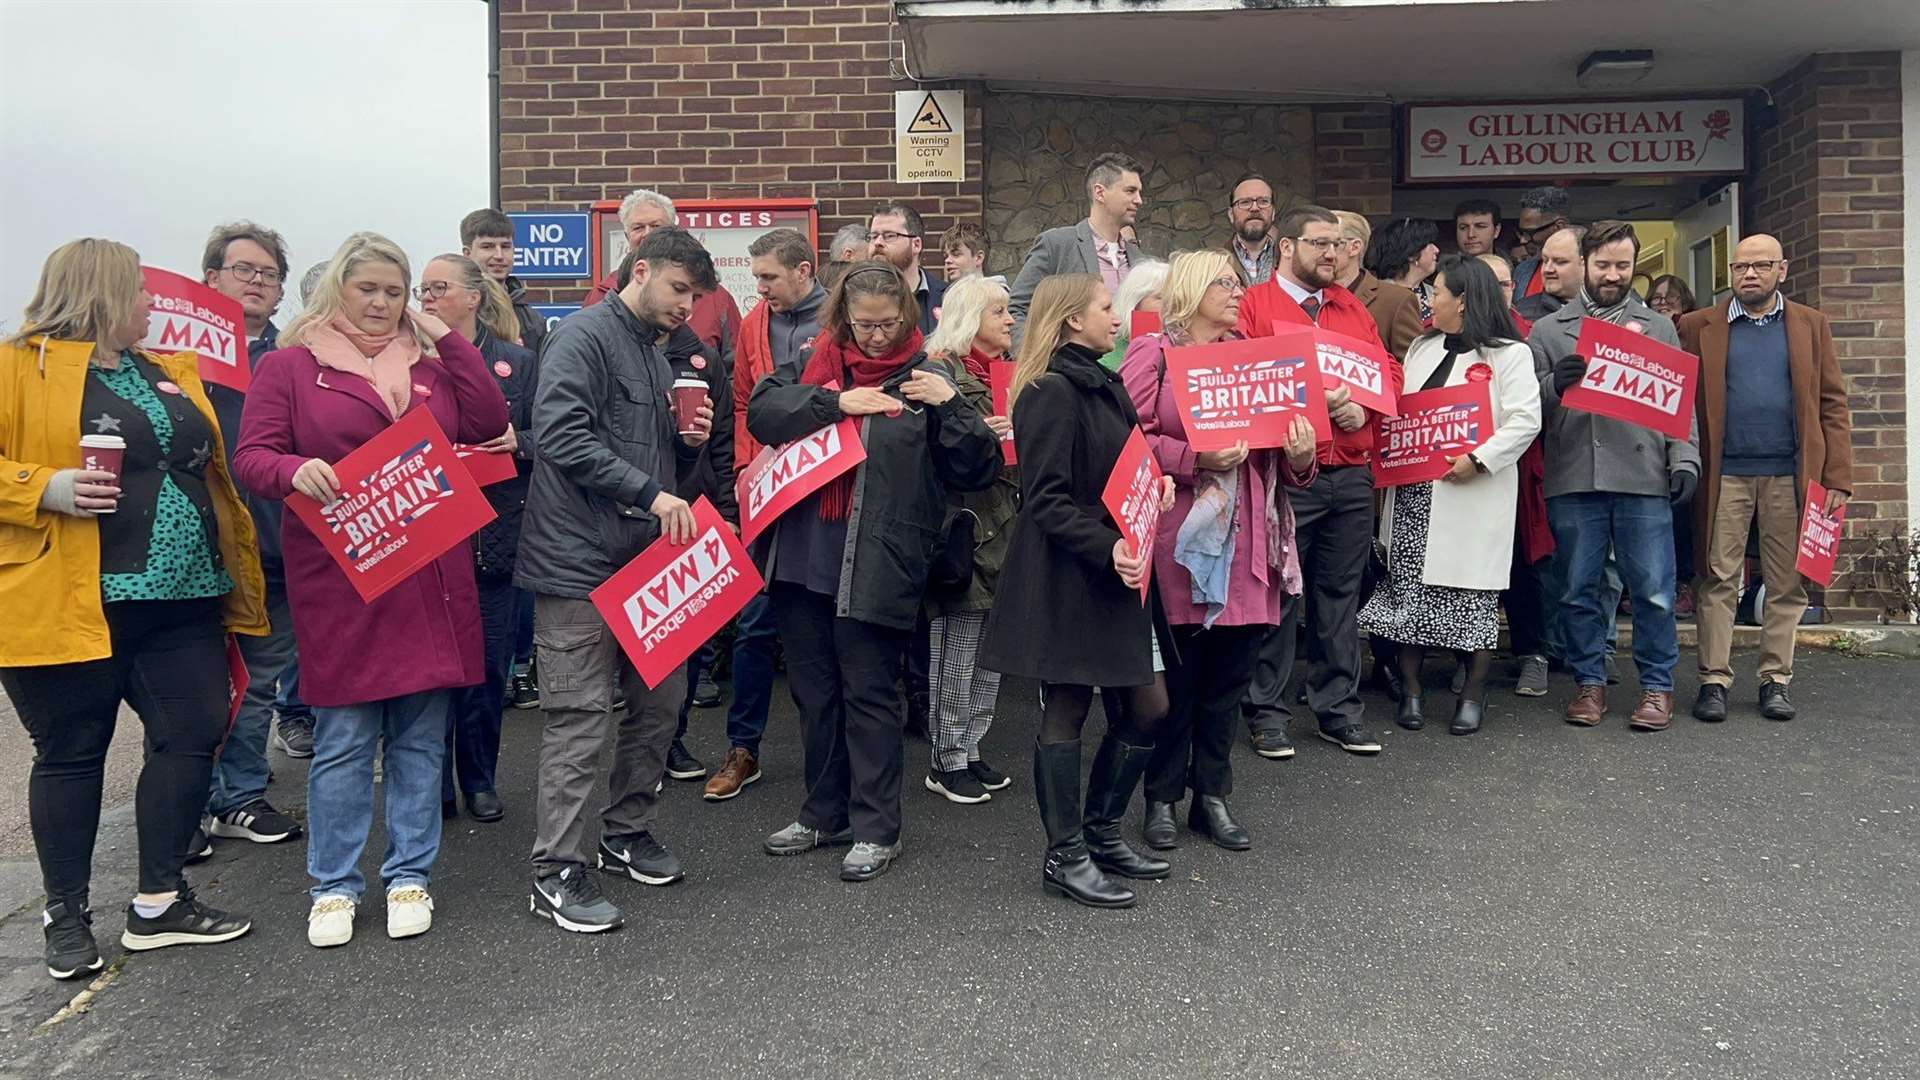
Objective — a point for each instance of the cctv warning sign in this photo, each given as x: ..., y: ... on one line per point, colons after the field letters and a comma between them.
x: 929, y: 137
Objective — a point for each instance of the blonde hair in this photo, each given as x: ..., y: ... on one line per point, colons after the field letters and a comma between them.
x: 86, y: 288
x: 1354, y: 226
x: 1149, y: 276
x: 1187, y: 283
x: 329, y: 296
x: 496, y: 307
x: 961, y: 313
x: 1058, y: 299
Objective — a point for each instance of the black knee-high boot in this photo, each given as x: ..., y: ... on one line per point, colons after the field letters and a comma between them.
x: 1068, y: 870
x: 1116, y: 772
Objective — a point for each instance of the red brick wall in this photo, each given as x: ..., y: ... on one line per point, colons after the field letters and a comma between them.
x: 1827, y: 181
x: 1353, y: 160
x: 709, y: 99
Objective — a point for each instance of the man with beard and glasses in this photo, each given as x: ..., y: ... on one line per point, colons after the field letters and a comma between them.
x: 1250, y: 211
x: 1773, y: 415
x: 1333, y: 517
x: 1609, y: 485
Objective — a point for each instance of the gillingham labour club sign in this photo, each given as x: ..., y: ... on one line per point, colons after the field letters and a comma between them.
x: 1562, y: 139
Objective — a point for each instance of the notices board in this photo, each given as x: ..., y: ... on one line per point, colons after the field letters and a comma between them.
x: 1132, y: 496
x: 673, y: 597
x: 929, y: 137
x: 1551, y: 140
x: 1820, y: 534
x: 782, y: 476
x: 1433, y: 425
x: 405, y: 499
x: 547, y: 245
x: 1634, y: 378
x: 1248, y: 389
x: 187, y: 316
x: 725, y: 227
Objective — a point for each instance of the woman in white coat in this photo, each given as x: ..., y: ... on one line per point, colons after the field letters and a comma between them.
x: 1450, y: 543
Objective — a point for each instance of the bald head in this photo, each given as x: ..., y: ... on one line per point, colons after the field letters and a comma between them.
x: 1757, y: 268
x: 1560, y: 272
x: 1502, y: 273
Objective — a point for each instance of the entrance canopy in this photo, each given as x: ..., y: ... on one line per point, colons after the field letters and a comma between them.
x: 1358, y: 50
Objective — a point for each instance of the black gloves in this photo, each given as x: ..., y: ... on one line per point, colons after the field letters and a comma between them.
x: 1568, y: 370
x: 1681, y: 484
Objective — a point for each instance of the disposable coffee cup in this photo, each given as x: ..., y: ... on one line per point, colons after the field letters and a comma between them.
x: 105, y: 453
x: 688, y: 395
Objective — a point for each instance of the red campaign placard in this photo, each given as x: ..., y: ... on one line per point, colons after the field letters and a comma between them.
x: 782, y: 476
x: 673, y: 597
x: 486, y: 467
x: 1000, y: 375
x: 1247, y: 389
x: 1132, y: 496
x: 1359, y: 365
x: 405, y: 499
x: 188, y: 316
x: 1820, y: 534
x: 238, y: 677
x: 1433, y: 425
x: 1634, y: 378
x: 1143, y: 323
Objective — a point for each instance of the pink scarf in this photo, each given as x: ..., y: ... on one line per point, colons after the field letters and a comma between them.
x: 384, y: 360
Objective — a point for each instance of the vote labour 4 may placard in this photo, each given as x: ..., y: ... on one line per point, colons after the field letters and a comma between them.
x: 1247, y: 389
x: 673, y: 597
x: 405, y: 499
x: 187, y: 315
x: 486, y: 467
x: 1634, y: 378
x: 1358, y: 365
x: 1132, y: 496
x: 784, y: 475
x: 1433, y: 425
x: 1000, y: 373
x: 1819, y: 536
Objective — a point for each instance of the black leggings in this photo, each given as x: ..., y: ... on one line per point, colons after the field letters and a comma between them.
x: 169, y: 662
x: 1134, y: 713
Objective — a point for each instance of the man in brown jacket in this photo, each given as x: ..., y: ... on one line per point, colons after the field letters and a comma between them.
x: 1772, y: 409
x: 1394, y: 307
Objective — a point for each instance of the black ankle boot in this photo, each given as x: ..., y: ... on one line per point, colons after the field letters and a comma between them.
x: 1210, y: 817
x: 1160, y: 830
x: 1116, y: 771
x: 1068, y: 870
x: 1466, y: 718
x: 1411, y: 716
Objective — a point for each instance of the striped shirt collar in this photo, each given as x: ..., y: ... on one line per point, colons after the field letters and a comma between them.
x: 1736, y: 311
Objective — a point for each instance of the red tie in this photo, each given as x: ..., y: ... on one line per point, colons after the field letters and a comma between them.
x: 1311, y: 305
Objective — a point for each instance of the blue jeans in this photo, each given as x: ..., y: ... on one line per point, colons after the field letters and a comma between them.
x: 240, y: 774
x: 473, y: 718
x: 523, y: 635
x: 1639, y: 529
x: 340, y: 791
x: 1553, y: 586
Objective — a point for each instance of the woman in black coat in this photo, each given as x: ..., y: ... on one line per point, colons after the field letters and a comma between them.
x: 846, y: 568
x: 1069, y: 611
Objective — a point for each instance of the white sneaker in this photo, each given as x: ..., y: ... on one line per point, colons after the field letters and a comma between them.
x: 330, y: 922
x: 409, y: 911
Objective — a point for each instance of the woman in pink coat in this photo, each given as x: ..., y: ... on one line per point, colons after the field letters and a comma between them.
x: 1224, y: 560
x: 354, y: 362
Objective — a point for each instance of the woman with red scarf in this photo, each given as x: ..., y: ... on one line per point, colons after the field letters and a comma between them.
x: 846, y: 568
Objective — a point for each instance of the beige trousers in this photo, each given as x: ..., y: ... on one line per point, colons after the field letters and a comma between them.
x: 1775, y: 502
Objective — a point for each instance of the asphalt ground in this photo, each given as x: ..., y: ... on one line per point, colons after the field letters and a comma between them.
x: 1535, y: 901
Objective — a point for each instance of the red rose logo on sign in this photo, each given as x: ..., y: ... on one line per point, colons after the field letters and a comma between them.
x: 1719, y: 123
x: 1433, y: 141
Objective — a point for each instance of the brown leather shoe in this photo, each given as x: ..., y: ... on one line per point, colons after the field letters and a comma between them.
x: 1588, y: 707
x: 1655, y: 712
x: 736, y: 772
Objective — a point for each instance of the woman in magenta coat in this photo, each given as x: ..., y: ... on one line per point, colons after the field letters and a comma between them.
x: 355, y: 361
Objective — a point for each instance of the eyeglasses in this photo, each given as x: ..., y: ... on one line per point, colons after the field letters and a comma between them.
x: 868, y: 329
x: 1230, y: 284
x: 1539, y: 232
x: 889, y: 236
x: 434, y: 289
x: 1260, y: 202
x: 1322, y: 244
x: 1740, y: 269
x: 248, y: 272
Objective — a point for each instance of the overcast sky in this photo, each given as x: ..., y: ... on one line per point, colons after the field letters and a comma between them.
x: 149, y: 122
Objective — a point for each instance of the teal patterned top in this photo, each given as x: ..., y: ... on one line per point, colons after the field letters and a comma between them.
x: 181, y: 563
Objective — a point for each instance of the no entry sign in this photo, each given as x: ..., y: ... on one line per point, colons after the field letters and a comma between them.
x: 551, y: 245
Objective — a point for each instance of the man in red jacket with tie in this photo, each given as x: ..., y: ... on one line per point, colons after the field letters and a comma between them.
x: 1333, y: 519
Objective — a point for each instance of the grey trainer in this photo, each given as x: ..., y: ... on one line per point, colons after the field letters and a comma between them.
x: 868, y: 860
x: 1533, y: 677
x: 797, y: 839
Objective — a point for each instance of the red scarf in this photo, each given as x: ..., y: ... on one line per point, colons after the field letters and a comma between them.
x: 832, y: 361
x: 977, y: 362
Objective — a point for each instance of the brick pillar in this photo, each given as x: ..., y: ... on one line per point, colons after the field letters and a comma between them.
x: 1353, y: 158
x: 1827, y: 180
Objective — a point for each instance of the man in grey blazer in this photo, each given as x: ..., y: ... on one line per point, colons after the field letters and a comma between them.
x: 1093, y: 246
x: 1610, y: 483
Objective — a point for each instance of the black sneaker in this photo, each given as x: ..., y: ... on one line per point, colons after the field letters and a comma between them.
x: 990, y: 778
x: 255, y: 821
x: 641, y: 858
x: 1774, y: 703
x: 71, y: 950
x: 957, y: 785
x: 525, y: 693
x: 706, y: 693
x: 682, y: 765
x: 1353, y: 738
x: 294, y: 735
x: 199, y: 848
x: 573, y: 901
x: 1711, y: 705
x: 185, y: 922
x: 1272, y: 744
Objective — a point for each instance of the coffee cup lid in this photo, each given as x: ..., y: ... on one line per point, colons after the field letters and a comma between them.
x: 103, y: 442
x: 689, y: 380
